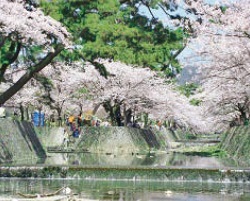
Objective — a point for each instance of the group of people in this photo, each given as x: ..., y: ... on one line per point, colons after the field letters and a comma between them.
x: 75, y: 123
x: 72, y: 128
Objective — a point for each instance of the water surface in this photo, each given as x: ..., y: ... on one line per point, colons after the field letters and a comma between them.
x: 168, y: 159
x: 129, y: 191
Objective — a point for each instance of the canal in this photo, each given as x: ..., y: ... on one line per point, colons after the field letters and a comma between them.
x: 127, y: 190
x: 132, y: 188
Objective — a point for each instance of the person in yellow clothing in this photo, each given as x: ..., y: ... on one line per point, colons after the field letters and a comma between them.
x: 71, y: 121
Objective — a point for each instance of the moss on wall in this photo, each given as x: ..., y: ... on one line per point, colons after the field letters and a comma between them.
x: 132, y: 174
x: 236, y: 141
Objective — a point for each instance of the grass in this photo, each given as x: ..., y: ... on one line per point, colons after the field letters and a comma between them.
x: 206, y: 151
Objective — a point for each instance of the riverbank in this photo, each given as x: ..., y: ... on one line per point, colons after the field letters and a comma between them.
x: 118, y: 146
x: 22, y: 142
x: 236, y: 142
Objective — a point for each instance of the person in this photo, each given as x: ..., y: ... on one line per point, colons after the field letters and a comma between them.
x: 159, y: 124
x: 79, y: 120
x: 72, y: 126
x: 98, y: 123
x: 93, y: 121
x: 76, y: 133
x: 71, y: 121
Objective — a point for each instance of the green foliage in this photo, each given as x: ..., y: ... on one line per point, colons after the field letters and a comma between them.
x: 207, y: 151
x: 195, y: 102
x: 188, y: 89
x: 246, y: 122
x: 83, y: 90
x: 45, y: 81
x: 30, y: 54
x: 114, y: 30
x: 212, y: 21
x: 190, y: 136
x: 223, y: 9
x: 4, y: 52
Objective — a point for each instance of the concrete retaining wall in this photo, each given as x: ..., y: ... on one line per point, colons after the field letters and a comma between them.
x: 105, y: 139
x: 236, y: 141
x: 19, y: 142
x: 120, y: 140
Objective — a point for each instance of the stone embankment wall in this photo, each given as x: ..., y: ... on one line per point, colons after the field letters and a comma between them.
x: 50, y: 136
x: 236, y: 141
x: 105, y: 139
x: 120, y: 140
x: 19, y: 142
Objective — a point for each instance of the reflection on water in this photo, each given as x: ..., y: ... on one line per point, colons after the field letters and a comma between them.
x: 153, y: 160
x: 132, y: 191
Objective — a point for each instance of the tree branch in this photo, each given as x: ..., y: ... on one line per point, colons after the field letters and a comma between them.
x: 29, y: 74
x: 101, y: 68
x: 173, y: 57
x: 149, y: 9
x: 171, y: 16
x: 247, y: 34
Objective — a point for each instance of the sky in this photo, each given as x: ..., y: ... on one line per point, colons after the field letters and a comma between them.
x: 190, y: 71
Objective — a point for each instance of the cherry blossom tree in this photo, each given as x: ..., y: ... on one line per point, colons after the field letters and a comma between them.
x: 222, y: 43
x: 127, y: 92
x: 219, y: 38
x: 28, y: 40
x: 130, y: 92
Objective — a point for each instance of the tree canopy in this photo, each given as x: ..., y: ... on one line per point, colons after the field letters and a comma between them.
x: 28, y: 40
x: 116, y: 30
x: 224, y: 47
x: 119, y: 31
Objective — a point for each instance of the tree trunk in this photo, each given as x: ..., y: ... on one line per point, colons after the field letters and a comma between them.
x: 27, y: 113
x: 118, y: 116
x: 29, y: 74
x: 22, y: 112
x: 107, y: 106
x: 59, y: 113
x: 96, y: 108
x: 127, y: 116
x: 146, y: 120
